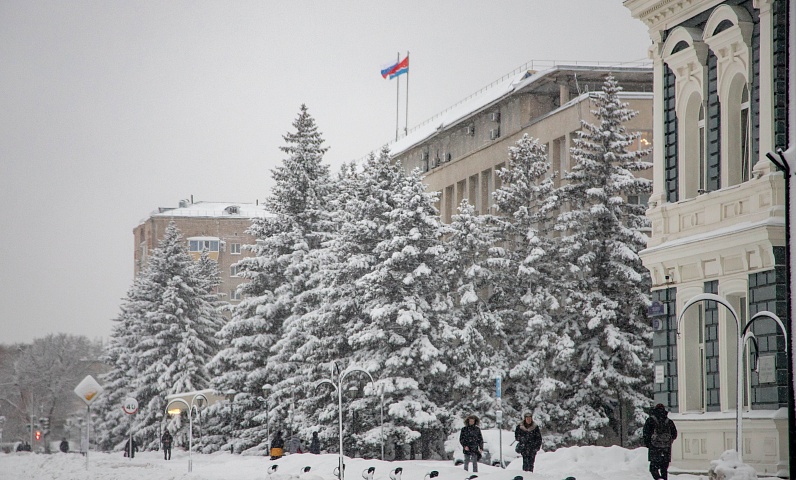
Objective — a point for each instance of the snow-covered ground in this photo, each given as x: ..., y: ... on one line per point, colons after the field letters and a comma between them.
x: 583, y: 463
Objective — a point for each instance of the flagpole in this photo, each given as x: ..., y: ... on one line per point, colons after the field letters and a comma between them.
x: 397, y: 98
x: 406, y: 112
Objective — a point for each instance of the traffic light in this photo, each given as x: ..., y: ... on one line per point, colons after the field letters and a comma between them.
x: 45, y: 423
x: 38, y: 435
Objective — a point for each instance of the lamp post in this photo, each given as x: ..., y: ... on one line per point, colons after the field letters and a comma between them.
x: 177, y: 410
x: 744, y: 334
x: 266, y: 388
x: 339, y: 389
x: 381, y: 410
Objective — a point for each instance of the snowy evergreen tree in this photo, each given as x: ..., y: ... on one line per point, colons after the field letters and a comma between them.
x: 400, y: 334
x: 527, y: 293
x: 277, y: 275
x: 171, y: 318
x: 479, y: 349
x: 609, y: 378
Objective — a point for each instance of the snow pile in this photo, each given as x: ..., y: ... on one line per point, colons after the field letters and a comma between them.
x: 582, y: 463
x: 730, y: 467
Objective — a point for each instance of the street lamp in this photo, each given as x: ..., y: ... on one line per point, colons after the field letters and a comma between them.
x: 176, y: 410
x: 339, y: 389
x: 266, y: 388
x: 743, y: 336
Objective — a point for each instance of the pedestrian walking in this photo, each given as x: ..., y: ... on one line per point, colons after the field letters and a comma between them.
x: 315, y: 444
x: 277, y: 446
x: 659, y: 433
x: 529, y: 441
x: 130, y: 448
x: 472, y: 441
x: 64, y: 446
x: 166, y: 440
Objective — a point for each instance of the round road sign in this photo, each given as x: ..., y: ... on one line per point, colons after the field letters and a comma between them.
x: 130, y: 405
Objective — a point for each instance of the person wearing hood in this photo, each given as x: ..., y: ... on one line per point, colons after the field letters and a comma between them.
x: 277, y: 446
x: 472, y: 442
x: 659, y: 434
x: 529, y: 441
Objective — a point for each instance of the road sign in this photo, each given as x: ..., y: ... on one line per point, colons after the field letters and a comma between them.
x: 498, y: 387
x: 657, y: 309
x: 88, y: 389
x: 130, y: 405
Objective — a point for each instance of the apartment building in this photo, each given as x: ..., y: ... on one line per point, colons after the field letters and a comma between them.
x: 461, y: 149
x: 717, y: 211
x: 218, y: 226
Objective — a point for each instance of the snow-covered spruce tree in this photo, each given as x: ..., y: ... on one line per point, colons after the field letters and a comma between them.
x: 164, y: 336
x: 327, y: 306
x: 527, y: 291
x: 609, y: 378
x: 400, y: 291
x: 276, y: 275
x: 177, y: 338
x: 478, y: 351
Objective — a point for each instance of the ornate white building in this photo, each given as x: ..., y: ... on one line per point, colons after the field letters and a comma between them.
x: 717, y: 212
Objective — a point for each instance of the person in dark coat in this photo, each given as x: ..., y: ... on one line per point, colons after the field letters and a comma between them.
x: 277, y: 446
x: 472, y: 441
x: 529, y: 441
x: 659, y: 433
x: 64, y: 446
x: 128, y: 451
x: 166, y: 439
x: 315, y: 444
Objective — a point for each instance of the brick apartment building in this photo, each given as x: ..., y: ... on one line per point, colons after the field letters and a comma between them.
x: 218, y: 226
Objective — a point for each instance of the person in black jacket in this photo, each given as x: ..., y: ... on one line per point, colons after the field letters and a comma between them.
x: 315, y: 444
x: 64, y: 446
x: 472, y: 441
x: 659, y: 433
x: 529, y: 441
x: 166, y: 439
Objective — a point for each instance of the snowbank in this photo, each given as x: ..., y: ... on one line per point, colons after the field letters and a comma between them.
x: 583, y: 463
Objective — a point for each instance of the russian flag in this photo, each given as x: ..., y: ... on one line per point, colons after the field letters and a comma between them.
x: 396, y: 69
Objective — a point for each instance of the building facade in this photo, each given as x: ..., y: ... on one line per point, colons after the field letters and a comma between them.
x: 460, y: 150
x: 219, y: 227
x: 717, y: 212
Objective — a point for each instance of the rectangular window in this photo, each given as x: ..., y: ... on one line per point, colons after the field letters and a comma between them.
x: 234, y: 248
x: 234, y: 270
x: 711, y: 343
x: 196, y: 245
x: 234, y: 294
x: 768, y: 292
x: 664, y: 348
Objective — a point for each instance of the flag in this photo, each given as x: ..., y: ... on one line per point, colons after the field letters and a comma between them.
x: 396, y: 69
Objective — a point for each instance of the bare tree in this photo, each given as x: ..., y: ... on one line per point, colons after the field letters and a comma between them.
x: 39, y: 380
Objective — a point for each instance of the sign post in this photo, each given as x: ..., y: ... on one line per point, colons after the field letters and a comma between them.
x: 499, y: 415
x: 88, y: 390
x: 129, y: 407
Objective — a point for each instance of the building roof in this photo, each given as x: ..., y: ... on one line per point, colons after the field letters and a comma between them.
x: 524, y: 81
x: 213, y: 209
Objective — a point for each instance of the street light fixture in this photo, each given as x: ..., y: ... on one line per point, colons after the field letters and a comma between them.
x: 744, y: 334
x: 176, y: 410
x: 339, y: 389
x: 266, y: 389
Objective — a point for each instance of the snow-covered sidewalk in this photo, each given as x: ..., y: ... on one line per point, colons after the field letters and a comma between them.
x: 583, y: 463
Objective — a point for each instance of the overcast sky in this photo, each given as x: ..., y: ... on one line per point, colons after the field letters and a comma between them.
x: 111, y: 109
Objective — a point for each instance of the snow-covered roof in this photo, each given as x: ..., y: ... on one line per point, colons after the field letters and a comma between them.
x: 214, y: 209
x: 491, y: 95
